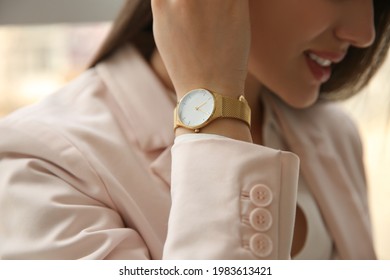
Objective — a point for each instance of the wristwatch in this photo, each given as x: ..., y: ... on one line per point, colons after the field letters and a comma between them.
x: 199, y: 107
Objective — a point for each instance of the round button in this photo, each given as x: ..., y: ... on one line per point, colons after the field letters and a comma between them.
x: 261, y: 195
x: 260, y: 219
x: 261, y: 245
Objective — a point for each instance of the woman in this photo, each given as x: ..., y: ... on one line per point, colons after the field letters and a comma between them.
x: 101, y: 169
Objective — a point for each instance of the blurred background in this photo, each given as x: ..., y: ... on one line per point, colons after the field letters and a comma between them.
x: 46, y: 43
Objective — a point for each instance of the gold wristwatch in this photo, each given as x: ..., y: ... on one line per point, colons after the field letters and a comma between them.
x: 199, y: 107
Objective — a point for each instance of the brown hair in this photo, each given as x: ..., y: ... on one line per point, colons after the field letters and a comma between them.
x: 132, y: 25
x: 349, y: 76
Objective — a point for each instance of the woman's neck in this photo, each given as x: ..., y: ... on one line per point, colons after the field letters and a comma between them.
x: 252, y: 93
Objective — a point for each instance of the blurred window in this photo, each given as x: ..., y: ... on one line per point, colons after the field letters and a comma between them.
x: 37, y: 60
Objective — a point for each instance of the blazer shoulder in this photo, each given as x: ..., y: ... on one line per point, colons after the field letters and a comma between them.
x: 61, y: 131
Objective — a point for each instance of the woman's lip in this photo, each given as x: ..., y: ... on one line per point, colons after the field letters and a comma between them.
x: 320, y: 73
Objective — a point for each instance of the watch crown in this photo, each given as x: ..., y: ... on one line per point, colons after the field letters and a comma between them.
x: 242, y: 99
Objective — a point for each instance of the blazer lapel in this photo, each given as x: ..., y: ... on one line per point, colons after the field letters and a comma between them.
x: 146, y: 103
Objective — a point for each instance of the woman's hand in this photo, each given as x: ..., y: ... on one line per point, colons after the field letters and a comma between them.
x: 204, y: 43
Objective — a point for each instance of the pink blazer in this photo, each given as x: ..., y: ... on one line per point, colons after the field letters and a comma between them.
x: 91, y: 172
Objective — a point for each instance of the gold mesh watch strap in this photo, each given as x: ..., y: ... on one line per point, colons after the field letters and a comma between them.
x: 236, y: 108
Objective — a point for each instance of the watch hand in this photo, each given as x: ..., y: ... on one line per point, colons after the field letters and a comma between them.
x: 202, y: 111
x: 198, y: 107
x: 201, y: 105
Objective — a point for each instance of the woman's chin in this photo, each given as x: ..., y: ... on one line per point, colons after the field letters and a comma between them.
x: 300, y: 101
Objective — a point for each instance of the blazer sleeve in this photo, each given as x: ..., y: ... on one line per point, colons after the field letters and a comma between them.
x: 231, y: 200
x: 53, y: 205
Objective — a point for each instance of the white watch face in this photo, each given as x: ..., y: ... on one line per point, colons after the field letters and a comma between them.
x: 196, y: 107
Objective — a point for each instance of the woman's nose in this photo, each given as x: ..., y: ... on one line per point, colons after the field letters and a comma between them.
x: 356, y: 25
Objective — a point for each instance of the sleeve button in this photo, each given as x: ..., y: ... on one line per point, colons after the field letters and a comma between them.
x: 261, y: 245
x: 261, y: 195
x: 260, y: 219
